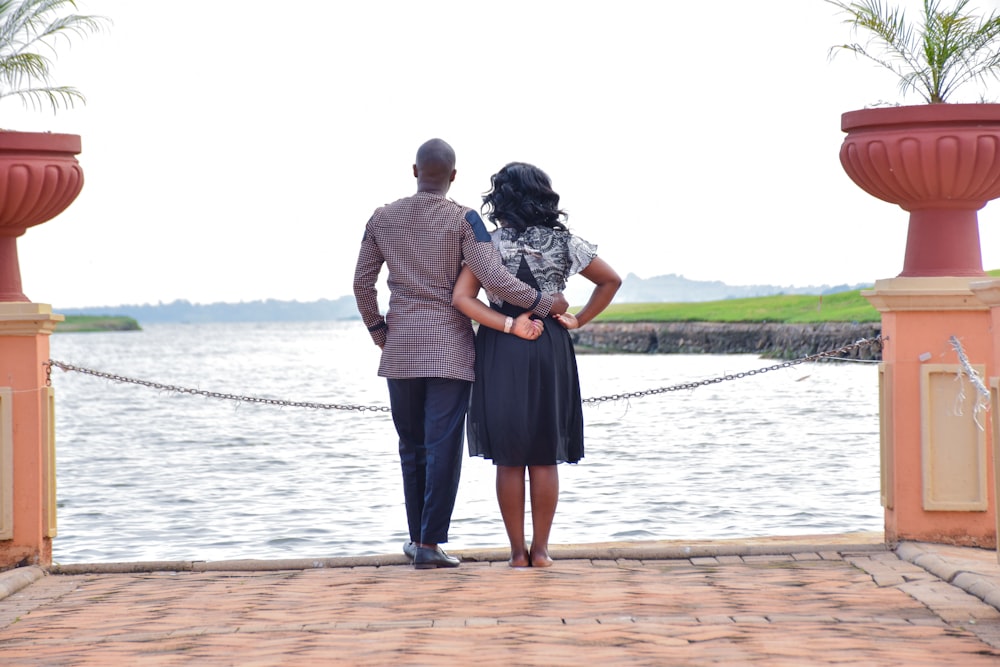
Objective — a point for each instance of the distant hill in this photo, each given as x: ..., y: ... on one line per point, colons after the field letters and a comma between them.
x: 660, y: 289
x: 270, y: 310
x: 673, y: 288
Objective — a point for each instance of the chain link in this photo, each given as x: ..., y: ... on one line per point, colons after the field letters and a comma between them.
x: 839, y: 352
x: 213, y: 394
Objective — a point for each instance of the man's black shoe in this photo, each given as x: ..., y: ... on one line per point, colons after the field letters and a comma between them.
x: 427, y: 558
x: 410, y: 549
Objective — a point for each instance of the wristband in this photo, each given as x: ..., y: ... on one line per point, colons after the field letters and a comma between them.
x: 508, y: 324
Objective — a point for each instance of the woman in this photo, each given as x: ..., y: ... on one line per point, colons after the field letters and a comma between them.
x: 525, y: 411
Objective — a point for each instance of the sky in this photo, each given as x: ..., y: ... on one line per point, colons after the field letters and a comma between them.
x: 234, y: 149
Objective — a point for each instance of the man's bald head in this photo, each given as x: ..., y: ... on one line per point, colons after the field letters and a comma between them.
x: 435, y: 166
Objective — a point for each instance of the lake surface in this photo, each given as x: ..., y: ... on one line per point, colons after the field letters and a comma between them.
x: 147, y: 474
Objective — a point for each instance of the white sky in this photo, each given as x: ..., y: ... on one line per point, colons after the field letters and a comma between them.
x: 233, y: 152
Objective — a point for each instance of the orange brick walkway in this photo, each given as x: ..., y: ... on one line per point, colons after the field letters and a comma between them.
x: 864, y: 606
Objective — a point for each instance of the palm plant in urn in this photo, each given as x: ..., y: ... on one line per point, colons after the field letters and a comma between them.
x: 39, y: 173
x: 938, y: 160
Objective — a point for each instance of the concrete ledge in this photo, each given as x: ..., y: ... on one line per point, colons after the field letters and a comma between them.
x: 941, y: 569
x: 11, y: 581
x: 861, y: 542
x: 965, y: 569
x: 976, y: 585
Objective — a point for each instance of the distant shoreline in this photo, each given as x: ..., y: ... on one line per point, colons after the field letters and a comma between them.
x: 90, y: 323
x: 769, y: 339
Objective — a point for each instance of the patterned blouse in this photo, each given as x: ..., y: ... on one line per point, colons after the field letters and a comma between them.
x: 552, y: 255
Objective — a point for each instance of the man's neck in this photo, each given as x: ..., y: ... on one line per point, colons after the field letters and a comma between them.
x: 433, y: 188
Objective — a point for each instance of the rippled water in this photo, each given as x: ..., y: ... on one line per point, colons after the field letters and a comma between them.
x: 145, y: 474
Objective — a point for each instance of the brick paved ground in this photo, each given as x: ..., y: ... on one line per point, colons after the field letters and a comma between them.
x: 867, y: 607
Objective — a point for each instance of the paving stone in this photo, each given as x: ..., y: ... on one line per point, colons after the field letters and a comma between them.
x: 729, y: 560
x: 888, y: 579
x: 704, y: 561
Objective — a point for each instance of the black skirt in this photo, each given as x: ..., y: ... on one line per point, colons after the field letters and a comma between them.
x: 525, y: 407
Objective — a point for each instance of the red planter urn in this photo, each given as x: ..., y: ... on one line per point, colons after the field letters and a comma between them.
x: 939, y: 162
x: 39, y: 178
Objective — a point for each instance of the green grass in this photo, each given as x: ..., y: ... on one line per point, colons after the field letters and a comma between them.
x: 796, y: 308
x: 97, y: 323
x: 791, y: 309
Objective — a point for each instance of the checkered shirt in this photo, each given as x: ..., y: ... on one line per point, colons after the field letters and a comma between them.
x: 423, y: 240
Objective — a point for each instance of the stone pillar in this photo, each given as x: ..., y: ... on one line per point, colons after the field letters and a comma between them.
x: 988, y: 291
x: 937, y: 478
x: 27, y: 439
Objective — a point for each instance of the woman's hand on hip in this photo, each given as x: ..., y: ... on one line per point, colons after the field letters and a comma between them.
x: 568, y: 320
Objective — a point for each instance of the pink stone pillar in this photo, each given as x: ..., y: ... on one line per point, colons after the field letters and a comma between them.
x: 941, y: 164
x: 988, y: 291
x: 27, y: 451
x: 937, y: 473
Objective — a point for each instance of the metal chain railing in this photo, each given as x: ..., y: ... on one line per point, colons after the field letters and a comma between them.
x: 840, y: 351
x: 208, y: 394
x: 830, y: 354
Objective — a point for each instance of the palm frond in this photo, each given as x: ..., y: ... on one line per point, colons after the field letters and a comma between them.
x: 57, y: 97
x: 947, y: 50
x: 28, y: 28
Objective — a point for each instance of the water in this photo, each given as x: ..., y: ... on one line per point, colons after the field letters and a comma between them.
x: 145, y: 474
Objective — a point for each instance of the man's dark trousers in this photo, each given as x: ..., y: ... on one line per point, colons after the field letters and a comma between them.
x: 429, y: 414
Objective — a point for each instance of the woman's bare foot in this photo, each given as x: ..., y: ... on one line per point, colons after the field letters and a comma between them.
x: 521, y: 560
x: 540, y: 559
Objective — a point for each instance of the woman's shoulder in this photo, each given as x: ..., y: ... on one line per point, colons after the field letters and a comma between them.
x: 503, y: 234
x: 536, y: 235
x: 541, y: 231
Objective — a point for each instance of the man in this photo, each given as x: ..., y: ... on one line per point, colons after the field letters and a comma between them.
x: 428, y: 347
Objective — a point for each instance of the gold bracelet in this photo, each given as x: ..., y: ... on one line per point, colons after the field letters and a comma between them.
x: 508, y: 324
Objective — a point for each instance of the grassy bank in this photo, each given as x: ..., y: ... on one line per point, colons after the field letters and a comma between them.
x: 97, y: 323
x: 791, y: 309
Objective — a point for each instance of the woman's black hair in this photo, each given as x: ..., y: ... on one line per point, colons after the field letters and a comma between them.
x: 521, y: 196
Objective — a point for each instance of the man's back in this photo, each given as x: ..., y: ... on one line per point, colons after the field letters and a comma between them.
x: 420, y: 240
